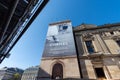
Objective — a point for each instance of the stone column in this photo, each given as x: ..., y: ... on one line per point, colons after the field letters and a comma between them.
x: 97, y: 44
x: 80, y: 45
x: 102, y: 44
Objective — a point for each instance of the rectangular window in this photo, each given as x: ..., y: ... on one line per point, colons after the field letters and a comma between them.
x: 100, y: 73
x: 118, y: 42
x: 89, y: 46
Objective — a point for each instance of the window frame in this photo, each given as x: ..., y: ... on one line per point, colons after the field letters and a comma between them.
x: 90, y: 47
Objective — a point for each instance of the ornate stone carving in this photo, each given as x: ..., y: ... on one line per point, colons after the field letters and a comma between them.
x: 88, y: 36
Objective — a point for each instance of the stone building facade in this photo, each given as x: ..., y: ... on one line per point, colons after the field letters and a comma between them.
x: 98, y: 49
x: 96, y: 55
x: 31, y: 73
x: 59, y: 60
x: 7, y: 73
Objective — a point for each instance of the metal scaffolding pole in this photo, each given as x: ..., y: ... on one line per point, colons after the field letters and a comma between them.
x: 42, y: 5
x: 9, y: 19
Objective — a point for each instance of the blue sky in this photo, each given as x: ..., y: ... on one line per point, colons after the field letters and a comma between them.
x: 28, y: 50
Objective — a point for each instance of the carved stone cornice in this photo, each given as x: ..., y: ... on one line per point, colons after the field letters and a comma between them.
x: 114, y: 37
x: 99, y: 29
x: 100, y: 56
x: 88, y: 36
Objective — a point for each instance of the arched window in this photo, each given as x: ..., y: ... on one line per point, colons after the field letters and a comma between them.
x: 57, y: 71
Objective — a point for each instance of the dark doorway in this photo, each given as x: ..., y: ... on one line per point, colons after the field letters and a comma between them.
x: 100, y: 73
x: 57, y: 71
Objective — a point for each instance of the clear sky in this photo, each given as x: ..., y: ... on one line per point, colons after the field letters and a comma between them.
x: 28, y: 50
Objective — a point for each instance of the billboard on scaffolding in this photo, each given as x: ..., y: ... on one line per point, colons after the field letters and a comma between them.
x: 59, y: 40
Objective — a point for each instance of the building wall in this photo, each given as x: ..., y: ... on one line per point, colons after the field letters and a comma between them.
x: 59, y: 48
x: 7, y: 73
x: 109, y: 65
x: 113, y: 67
x: 97, y: 55
x: 31, y: 73
x: 87, y: 69
x: 106, y: 52
x: 112, y: 45
x: 70, y: 67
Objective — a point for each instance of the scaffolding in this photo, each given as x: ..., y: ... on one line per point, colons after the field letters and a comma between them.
x: 15, y: 18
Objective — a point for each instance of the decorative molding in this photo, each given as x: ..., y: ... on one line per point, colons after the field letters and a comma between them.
x: 99, y: 29
x: 88, y: 36
x: 114, y: 37
x: 52, y: 58
x: 103, y: 55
